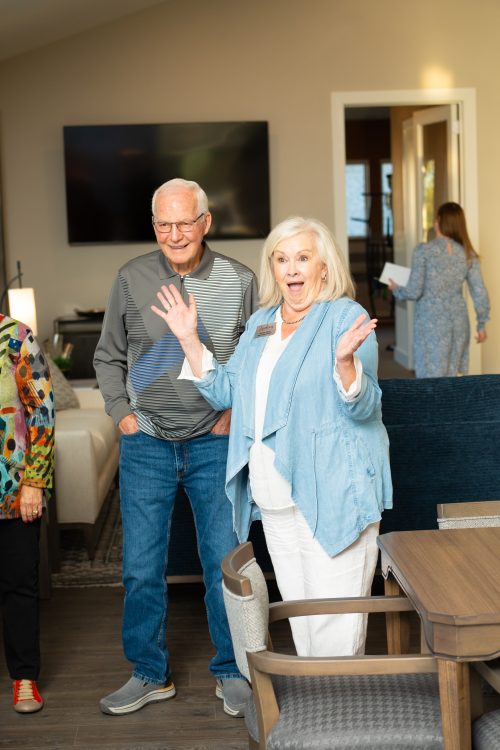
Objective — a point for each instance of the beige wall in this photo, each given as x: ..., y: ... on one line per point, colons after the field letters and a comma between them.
x: 188, y: 60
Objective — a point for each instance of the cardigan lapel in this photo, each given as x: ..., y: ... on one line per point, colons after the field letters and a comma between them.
x: 287, y: 370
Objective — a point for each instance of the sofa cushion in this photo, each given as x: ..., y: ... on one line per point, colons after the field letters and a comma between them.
x: 95, y: 421
x: 64, y: 395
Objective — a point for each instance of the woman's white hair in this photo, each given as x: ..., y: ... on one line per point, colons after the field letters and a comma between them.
x: 179, y: 184
x: 338, y: 282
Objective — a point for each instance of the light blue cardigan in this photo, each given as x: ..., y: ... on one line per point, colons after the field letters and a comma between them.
x: 333, y: 452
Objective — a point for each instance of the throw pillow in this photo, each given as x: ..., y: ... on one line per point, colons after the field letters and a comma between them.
x: 64, y: 395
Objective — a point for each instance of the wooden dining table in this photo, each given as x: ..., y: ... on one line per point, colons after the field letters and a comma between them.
x: 452, y: 578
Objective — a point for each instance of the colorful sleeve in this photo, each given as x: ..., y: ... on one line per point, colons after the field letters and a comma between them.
x: 36, y: 394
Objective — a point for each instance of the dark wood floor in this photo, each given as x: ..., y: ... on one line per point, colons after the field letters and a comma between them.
x: 83, y: 660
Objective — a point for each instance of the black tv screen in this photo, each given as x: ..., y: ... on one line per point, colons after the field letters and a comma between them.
x: 113, y: 170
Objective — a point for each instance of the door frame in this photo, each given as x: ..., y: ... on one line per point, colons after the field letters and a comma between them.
x: 465, y: 98
x: 3, y: 265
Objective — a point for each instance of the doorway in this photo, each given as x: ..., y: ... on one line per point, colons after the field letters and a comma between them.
x: 408, y: 191
x: 369, y: 217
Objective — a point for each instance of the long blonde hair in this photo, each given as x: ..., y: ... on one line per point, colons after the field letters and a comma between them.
x: 451, y: 222
x: 338, y: 282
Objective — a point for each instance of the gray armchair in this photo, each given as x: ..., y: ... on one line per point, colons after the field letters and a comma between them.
x: 329, y: 703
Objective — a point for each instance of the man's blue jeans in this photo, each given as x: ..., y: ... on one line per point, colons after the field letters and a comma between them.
x: 151, y: 470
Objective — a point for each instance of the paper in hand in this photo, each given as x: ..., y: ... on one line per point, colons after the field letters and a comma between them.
x: 399, y: 274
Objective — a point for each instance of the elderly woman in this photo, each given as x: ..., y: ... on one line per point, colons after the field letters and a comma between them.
x: 26, y: 447
x: 308, y: 453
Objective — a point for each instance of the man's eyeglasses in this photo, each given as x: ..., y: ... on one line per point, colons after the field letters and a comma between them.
x: 185, y: 227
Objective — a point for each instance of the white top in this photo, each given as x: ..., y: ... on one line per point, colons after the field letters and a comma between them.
x: 270, y: 490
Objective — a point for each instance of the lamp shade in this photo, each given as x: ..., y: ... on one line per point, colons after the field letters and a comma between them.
x: 22, y: 306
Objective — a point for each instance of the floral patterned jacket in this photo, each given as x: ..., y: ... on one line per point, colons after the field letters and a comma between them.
x: 27, y: 415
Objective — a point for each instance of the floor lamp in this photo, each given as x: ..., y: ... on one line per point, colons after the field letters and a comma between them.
x: 21, y: 301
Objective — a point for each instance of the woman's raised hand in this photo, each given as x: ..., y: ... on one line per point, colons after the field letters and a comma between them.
x: 181, y: 318
x: 352, y: 339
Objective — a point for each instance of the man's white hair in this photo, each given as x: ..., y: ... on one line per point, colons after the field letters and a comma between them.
x: 179, y: 184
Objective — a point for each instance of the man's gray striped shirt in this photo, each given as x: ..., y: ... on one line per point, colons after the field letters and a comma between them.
x: 138, y: 359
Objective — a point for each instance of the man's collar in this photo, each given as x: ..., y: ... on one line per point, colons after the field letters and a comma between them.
x: 202, y: 270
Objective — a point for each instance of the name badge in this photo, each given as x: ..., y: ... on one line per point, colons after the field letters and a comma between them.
x: 265, y: 330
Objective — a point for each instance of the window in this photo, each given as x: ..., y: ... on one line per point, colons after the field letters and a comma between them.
x: 386, y: 183
x: 357, y: 181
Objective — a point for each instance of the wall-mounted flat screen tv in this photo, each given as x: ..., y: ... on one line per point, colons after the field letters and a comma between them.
x: 113, y: 170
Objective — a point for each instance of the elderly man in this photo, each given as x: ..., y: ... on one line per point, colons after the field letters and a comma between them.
x: 171, y: 437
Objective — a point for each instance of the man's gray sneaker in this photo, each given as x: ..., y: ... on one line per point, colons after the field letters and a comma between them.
x: 235, y: 692
x: 134, y: 695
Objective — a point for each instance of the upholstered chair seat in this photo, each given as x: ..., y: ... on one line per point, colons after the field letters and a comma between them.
x: 355, y: 711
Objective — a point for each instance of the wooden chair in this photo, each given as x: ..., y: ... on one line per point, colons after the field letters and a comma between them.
x: 474, y: 515
x: 338, y: 702
x: 468, y: 515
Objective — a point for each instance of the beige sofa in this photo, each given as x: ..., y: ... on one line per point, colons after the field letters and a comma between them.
x: 86, y: 463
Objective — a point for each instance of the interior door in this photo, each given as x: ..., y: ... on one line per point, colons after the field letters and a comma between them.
x: 431, y: 176
x: 436, y: 133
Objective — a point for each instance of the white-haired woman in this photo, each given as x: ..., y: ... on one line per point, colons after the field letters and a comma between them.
x: 308, y: 453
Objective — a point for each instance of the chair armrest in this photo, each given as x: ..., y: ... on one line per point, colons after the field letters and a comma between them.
x: 468, y: 515
x: 235, y: 582
x: 274, y: 663
x: 477, y: 508
x: 89, y: 398
x: 284, y: 610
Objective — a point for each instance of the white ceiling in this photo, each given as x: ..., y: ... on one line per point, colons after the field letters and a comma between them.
x: 28, y: 24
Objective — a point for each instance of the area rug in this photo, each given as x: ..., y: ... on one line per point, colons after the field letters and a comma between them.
x: 106, y: 567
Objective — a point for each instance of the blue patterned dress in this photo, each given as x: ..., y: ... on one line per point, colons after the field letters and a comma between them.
x: 441, y: 326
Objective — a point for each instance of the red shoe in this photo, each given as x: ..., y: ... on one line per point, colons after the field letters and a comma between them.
x: 27, y: 699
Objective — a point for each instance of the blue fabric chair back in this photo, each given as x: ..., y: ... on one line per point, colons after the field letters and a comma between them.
x: 444, y: 445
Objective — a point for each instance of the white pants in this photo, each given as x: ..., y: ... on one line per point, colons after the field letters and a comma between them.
x: 305, y: 571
